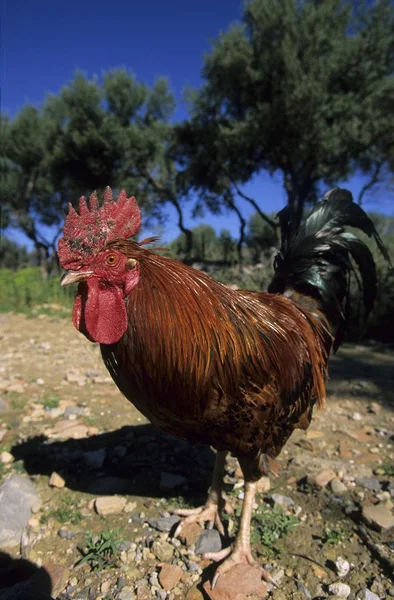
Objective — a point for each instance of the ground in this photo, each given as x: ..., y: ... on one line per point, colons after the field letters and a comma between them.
x: 104, y: 474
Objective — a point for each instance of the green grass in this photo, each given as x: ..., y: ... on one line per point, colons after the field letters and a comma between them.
x: 333, y: 537
x: 51, y: 400
x: 385, y: 469
x: 272, y: 524
x: 65, y: 513
x: 101, y: 551
x: 26, y: 291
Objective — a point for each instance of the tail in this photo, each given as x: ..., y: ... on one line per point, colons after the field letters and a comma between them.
x: 317, y: 258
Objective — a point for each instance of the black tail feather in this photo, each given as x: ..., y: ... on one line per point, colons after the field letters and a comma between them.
x: 318, y: 257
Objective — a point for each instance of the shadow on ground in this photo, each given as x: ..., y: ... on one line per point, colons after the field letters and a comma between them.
x: 135, y: 458
x: 20, y: 579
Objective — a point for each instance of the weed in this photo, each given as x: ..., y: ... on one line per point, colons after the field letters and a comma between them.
x: 101, y: 551
x: 332, y: 537
x: 273, y: 524
x: 385, y: 469
x: 51, y: 401
x: 66, y: 513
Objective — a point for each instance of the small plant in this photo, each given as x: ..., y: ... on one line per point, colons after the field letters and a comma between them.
x: 273, y: 524
x: 386, y: 469
x: 51, y: 401
x: 66, y: 513
x: 332, y: 537
x: 101, y: 551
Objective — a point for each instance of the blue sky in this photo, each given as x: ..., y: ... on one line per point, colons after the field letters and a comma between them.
x: 45, y: 42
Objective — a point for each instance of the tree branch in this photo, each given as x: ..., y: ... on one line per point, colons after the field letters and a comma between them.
x: 374, y: 179
x: 253, y: 202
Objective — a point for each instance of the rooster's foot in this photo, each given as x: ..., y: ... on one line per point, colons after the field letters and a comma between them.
x: 236, y: 556
x: 209, y: 513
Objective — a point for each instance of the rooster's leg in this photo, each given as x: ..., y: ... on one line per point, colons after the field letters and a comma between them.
x: 240, y: 553
x: 211, y: 510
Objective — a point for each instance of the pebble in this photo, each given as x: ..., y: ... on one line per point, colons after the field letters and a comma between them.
x: 56, y: 481
x: 130, y: 507
x: 3, y: 405
x: 357, y: 416
x: 17, y: 498
x: 342, y: 566
x: 342, y: 590
x: 163, y: 550
x: 170, y: 576
x: 209, y: 541
x: 109, y: 505
x: 126, y: 593
x: 321, y: 479
x: 282, y: 501
x: 304, y: 591
x: 6, y: 458
x: 263, y: 485
x: 338, y: 487
x: 366, y: 594
x: 66, y: 534
x: 378, y: 516
x: 369, y: 483
x: 164, y: 523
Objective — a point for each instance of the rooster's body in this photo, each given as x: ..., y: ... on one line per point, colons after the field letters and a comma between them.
x: 233, y: 369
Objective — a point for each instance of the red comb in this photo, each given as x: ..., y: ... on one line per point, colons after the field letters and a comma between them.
x: 88, y: 232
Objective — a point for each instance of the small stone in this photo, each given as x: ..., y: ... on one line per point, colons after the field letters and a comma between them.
x: 375, y: 408
x: 304, y: 591
x: 263, y: 485
x: 194, y: 594
x: 369, y: 483
x: 342, y: 566
x: 169, y: 481
x: 66, y: 534
x: 130, y: 507
x: 342, y: 590
x: 338, y: 487
x: 56, y: 481
x: 17, y: 497
x: 40, y: 381
x: 169, y: 576
x: 109, y: 505
x: 3, y: 433
x: 106, y: 586
x: 366, y: 594
x: 163, y: 550
x: 242, y: 581
x: 3, y: 405
x: 164, y: 523
x: 190, y: 533
x: 6, y: 458
x: 282, y: 501
x: 209, y: 541
x: 357, y: 416
x: 378, y: 517
x: 126, y: 593
x: 95, y: 458
x: 322, y: 479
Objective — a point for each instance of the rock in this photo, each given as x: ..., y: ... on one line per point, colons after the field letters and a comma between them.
x: 58, y: 575
x: 342, y: 566
x: 378, y: 517
x: 66, y: 429
x: 190, y: 533
x: 169, y: 481
x: 282, y: 501
x: 126, y: 593
x: 164, y: 523
x: 356, y: 416
x: 375, y: 408
x: 263, y: 485
x: 304, y: 590
x: 342, y: 590
x: 95, y: 458
x: 169, y: 576
x: 369, y: 483
x: 321, y: 479
x: 56, y: 481
x: 74, y: 376
x: 314, y: 434
x: 338, y: 487
x: 6, y: 458
x: 66, y: 534
x: 130, y: 507
x: 17, y: 497
x: 209, y: 541
x: 163, y: 550
x: 239, y: 583
x: 3, y: 433
x: 366, y: 594
x: 109, y: 505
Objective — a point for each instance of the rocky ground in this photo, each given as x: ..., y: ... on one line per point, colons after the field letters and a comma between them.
x: 88, y: 486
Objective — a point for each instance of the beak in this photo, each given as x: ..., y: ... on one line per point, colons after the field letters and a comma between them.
x: 74, y: 277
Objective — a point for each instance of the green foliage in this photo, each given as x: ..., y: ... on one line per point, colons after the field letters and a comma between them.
x: 101, y: 551
x: 272, y: 524
x: 13, y: 256
x: 65, y: 513
x: 333, y: 537
x: 313, y: 86
x: 51, y: 400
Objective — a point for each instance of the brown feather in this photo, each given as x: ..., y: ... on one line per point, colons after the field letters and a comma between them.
x: 235, y: 369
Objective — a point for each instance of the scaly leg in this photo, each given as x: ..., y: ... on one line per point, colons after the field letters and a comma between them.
x: 241, y: 552
x: 212, y: 508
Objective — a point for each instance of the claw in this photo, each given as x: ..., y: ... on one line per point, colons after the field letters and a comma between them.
x: 208, y: 513
x: 215, y: 580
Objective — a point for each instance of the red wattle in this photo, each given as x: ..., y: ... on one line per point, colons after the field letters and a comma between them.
x: 99, y: 312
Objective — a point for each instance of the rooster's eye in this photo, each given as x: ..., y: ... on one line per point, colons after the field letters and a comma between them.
x: 112, y: 260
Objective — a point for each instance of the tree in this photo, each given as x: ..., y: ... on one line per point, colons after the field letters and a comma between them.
x: 301, y: 88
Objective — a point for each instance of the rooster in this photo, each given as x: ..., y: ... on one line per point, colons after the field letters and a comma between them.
x: 237, y: 370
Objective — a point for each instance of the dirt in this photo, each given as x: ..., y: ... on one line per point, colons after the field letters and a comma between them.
x: 54, y: 386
